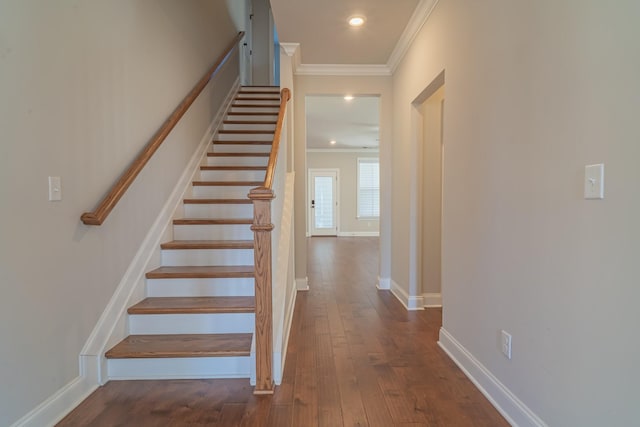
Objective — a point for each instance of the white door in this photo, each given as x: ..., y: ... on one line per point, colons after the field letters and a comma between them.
x: 323, y: 202
x: 247, y: 42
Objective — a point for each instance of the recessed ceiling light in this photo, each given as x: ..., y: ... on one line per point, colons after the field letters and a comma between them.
x: 332, y: 142
x: 356, y: 21
x: 348, y: 97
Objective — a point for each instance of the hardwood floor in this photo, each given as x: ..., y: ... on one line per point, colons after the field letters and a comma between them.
x: 356, y: 357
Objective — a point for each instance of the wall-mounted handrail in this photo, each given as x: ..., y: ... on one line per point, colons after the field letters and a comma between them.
x: 262, y: 227
x: 106, y: 205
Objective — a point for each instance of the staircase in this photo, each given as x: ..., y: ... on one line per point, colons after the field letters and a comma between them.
x: 198, y: 317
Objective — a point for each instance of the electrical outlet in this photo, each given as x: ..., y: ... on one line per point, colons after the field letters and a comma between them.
x: 505, y: 342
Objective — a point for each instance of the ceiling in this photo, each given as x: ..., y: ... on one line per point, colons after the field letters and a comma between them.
x: 352, y: 124
x: 324, y: 44
x: 321, y: 29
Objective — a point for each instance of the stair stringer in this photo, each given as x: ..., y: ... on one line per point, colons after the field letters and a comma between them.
x: 112, y: 325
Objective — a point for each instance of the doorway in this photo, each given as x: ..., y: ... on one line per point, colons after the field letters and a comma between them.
x: 323, y: 202
x: 426, y: 195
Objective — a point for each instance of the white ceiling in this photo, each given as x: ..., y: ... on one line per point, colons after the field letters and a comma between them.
x: 352, y: 124
x: 329, y: 46
x: 321, y: 29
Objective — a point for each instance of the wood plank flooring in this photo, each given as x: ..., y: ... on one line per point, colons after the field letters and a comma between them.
x: 356, y: 357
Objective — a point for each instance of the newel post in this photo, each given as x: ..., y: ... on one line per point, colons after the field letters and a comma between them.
x: 261, y: 228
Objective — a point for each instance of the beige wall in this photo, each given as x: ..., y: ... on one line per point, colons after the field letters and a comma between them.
x: 347, y: 164
x: 83, y: 86
x: 339, y: 85
x: 431, y: 191
x: 535, y: 91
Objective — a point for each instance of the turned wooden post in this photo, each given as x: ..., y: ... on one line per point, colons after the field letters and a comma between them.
x: 261, y: 228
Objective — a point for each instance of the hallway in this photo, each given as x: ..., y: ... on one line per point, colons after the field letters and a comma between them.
x: 356, y: 357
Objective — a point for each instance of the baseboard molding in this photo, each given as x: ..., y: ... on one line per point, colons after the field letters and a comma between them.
x: 56, y: 407
x: 302, y: 283
x: 384, y: 283
x: 106, y: 331
x: 512, y: 408
x: 411, y: 303
x: 432, y: 300
x: 358, y: 234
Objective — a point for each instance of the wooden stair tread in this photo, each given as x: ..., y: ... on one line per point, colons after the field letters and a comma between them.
x: 246, y: 201
x: 237, y: 154
x: 236, y: 105
x: 185, y: 345
x: 256, y: 98
x: 194, y: 305
x: 201, y: 272
x: 245, y: 131
x: 207, y: 244
x: 250, y: 122
x: 250, y: 113
x: 228, y: 183
x: 245, y: 142
x: 212, y: 221
x: 233, y: 168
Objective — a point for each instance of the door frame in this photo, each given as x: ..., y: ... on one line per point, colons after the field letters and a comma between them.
x: 416, y: 298
x: 310, y: 172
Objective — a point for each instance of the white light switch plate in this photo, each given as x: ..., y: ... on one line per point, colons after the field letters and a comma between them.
x: 55, y: 188
x: 594, y: 181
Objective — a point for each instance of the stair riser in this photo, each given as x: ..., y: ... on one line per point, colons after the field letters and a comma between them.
x: 237, y: 161
x: 217, y: 323
x: 258, y: 95
x: 265, y: 109
x: 221, y: 191
x: 221, y: 147
x: 268, y: 102
x: 213, y: 232
x: 179, y: 368
x: 253, y: 118
x: 240, y: 287
x: 232, y: 175
x: 265, y: 127
x: 218, y: 211
x: 203, y: 257
x: 268, y: 137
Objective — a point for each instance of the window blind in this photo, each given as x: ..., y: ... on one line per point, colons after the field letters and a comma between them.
x: 368, y: 188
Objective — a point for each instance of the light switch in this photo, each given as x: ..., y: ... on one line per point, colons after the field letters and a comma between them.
x: 594, y: 181
x: 55, y: 188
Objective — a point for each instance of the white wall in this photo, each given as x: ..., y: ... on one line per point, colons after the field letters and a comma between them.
x: 535, y: 91
x: 347, y: 164
x: 340, y: 85
x: 83, y: 86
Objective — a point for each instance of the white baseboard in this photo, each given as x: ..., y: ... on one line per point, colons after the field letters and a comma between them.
x: 106, y: 331
x: 384, y: 283
x: 56, y: 407
x: 411, y: 303
x: 433, y: 300
x: 512, y: 408
x: 302, y: 283
x: 358, y: 233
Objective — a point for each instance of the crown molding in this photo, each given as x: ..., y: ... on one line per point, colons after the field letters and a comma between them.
x: 342, y: 70
x: 415, y: 24
x: 290, y: 48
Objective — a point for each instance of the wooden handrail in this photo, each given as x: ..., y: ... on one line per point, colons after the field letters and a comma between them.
x: 285, y: 95
x: 106, y: 205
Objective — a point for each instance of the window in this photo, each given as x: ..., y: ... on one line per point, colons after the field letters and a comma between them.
x: 368, y: 188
